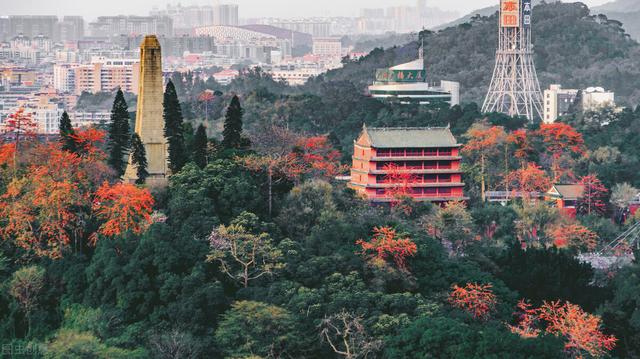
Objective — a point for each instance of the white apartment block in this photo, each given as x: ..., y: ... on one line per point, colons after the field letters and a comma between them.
x: 558, y: 101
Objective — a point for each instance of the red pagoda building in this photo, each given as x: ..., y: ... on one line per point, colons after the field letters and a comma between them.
x: 423, y: 163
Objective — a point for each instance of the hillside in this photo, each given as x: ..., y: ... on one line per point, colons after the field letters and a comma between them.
x: 625, y: 11
x: 572, y: 48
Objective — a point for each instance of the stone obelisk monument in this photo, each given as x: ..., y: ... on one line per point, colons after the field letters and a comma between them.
x: 149, y: 114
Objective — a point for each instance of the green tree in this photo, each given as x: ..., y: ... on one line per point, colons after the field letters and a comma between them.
x: 119, y: 134
x: 25, y: 286
x: 255, y: 328
x: 139, y: 158
x: 443, y: 337
x: 621, y: 313
x: 71, y: 344
x: 200, y: 143
x: 232, y: 134
x: 66, y: 133
x: 242, y: 255
x: 173, y: 129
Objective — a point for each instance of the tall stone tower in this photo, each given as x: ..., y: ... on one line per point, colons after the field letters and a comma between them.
x: 514, y: 89
x: 149, y: 114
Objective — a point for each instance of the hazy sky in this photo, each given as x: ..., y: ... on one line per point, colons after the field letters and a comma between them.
x: 248, y: 8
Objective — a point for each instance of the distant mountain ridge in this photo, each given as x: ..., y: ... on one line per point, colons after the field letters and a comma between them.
x: 618, y: 6
x: 625, y: 11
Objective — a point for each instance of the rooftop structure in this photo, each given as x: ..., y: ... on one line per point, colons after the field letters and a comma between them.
x: 421, y: 162
x: 566, y: 197
x: 407, y: 83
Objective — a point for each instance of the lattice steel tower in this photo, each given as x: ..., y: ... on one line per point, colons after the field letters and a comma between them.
x: 514, y: 89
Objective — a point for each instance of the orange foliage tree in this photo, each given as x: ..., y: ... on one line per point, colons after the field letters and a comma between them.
x: 528, y: 179
x: 49, y: 207
x: 484, y: 143
x: 574, y: 236
x: 560, y: 139
x: 522, y: 143
x: 475, y: 299
x: 387, y: 244
x: 18, y: 126
x: 122, y: 207
x: 581, y: 330
x: 527, y: 321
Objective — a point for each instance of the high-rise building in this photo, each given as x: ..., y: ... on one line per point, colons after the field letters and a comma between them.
x: 557, y: 102
x: 423, y: 163
x: 33, y: 25
x: 71, y: 28
x: 149, y: 114
x: 187, y: 17
x: 327, y: 46
x: 114, y: 26
x: 514, y: 88
x: 101, y: 75
x: 225, y: 14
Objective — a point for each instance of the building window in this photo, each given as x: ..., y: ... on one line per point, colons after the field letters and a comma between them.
x: 380, y: 191
x: 414, y: 152
x: 444, y: 165
x: 431, y: 152
x: 445, y: 152
x: 430, y: 191
x: 431, y: 178
x: 397, y: 152
x: 444, y: 191
x: 383, y: 153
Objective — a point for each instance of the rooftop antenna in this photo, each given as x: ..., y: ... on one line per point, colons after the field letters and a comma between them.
x: 421, y: 51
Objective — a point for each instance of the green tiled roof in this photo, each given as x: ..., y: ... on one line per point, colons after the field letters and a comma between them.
x: 411, y: 137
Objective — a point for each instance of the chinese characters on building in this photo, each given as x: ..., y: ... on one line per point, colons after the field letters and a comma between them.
x: 510, y: 13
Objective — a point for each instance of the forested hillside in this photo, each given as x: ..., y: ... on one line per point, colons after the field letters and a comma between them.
x: 571, y: 47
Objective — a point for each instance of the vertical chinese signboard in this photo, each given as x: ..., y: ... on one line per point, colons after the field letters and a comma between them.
x: 526, y: 13
x: 510, y: 13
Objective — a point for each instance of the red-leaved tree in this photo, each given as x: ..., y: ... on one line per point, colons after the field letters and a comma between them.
x: 484, y: 143
x: 401, y: 181
x: 385, y: 244
x: 581, y: 330
x: 50, y: 206
x: 475, y: 299
x: 594, y: 196
x: 528, y: 318
x: 574, y: 236
x: 560, y: 139
x: 528, y: 179
x: 122, y: 207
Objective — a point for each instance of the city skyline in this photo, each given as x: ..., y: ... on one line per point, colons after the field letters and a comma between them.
x: 248, y: 8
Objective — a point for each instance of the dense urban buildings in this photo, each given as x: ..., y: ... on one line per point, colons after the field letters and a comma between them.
x: 422, y: 163
x: 114, y: 26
